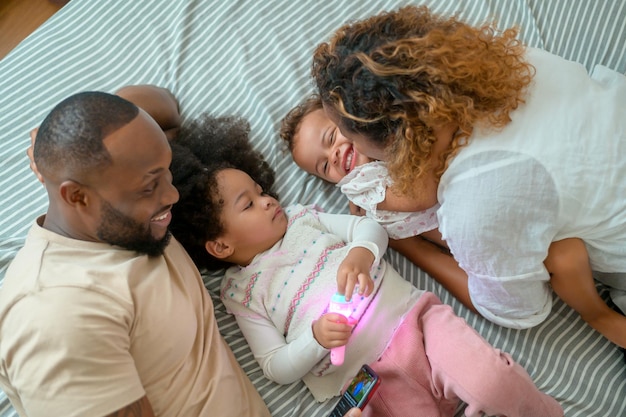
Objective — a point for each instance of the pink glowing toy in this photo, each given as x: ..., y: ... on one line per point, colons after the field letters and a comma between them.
x: 338, y: 304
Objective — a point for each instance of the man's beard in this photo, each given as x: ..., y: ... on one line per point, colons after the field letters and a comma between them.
x: 120, y: 230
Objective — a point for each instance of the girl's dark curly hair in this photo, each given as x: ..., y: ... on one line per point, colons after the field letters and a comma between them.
x: 202, y: 149
x: 395, y: 76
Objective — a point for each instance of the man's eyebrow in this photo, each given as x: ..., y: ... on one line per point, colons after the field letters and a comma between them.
x: 152, y: 173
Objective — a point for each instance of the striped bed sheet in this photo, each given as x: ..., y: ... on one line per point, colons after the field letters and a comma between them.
x: 251, y: 58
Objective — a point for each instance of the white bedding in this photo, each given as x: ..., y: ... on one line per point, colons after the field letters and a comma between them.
x: 251, y: 58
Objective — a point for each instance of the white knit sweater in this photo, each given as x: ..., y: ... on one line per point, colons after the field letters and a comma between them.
x: 278, y: 296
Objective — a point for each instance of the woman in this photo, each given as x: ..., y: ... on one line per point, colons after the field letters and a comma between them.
x: 504, y: 137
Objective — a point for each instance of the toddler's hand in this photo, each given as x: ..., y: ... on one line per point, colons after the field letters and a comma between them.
x: 332, y: 330
x: 355, y: 269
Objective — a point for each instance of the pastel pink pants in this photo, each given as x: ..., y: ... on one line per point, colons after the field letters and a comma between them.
x: 436, y: 359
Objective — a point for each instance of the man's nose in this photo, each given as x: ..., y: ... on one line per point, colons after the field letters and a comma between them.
x: 170, y: 194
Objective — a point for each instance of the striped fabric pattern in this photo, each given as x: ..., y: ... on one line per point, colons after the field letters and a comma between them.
x: 251, y: 58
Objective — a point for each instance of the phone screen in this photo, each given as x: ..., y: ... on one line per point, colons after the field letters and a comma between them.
x: 358, y: 392
x: 360, y: 386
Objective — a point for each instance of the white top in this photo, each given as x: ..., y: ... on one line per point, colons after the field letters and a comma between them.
x: 366, y: 186
x: 558, y: 170
x: 278, y: 296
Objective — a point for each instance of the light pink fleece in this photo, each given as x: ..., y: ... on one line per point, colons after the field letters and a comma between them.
x: 436, y: 359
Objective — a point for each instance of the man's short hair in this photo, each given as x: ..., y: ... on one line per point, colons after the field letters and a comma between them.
x: 70, y: 139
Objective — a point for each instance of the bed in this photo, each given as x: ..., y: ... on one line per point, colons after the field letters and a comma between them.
x: 251, y: 58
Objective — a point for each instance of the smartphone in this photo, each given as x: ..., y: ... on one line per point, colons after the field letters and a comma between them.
x: 358, y: 393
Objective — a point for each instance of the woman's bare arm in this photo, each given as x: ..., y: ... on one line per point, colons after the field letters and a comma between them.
x: 572, y: 281
x: 436, y: 262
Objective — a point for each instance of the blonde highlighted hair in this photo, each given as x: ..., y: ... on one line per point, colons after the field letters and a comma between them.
x: 397, y: 76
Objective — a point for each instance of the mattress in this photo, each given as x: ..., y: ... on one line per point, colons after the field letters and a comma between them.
x: 251, y: 59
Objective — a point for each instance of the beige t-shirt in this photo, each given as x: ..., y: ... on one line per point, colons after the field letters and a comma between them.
x: 86, y: 329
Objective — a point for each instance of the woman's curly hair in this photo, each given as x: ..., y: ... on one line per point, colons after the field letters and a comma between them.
x: 395, y: 76
x: 201, y: 149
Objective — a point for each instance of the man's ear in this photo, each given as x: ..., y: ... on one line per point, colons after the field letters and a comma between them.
x: 73, y: 194
x: 219, y: 249
x: 31, y: 157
